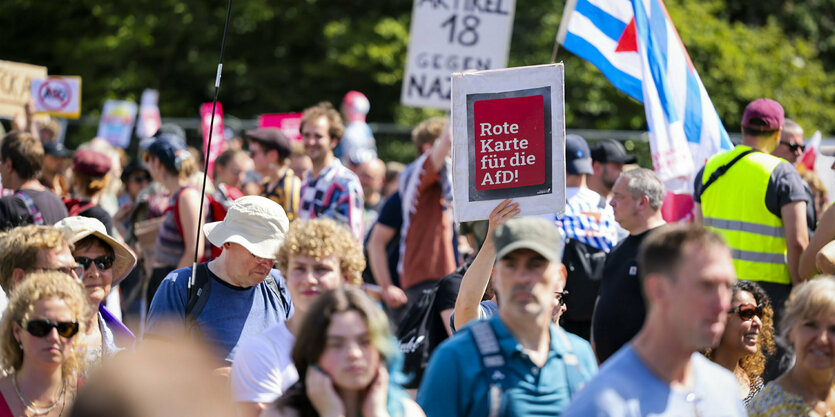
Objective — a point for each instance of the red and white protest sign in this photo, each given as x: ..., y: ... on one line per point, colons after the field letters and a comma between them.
x: 58, y: 96
x: 287, y: 123
x: 508, y: 140
x: 149, y: 117
x: 216, y: 131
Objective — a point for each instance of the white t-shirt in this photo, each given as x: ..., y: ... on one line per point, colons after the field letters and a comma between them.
x: 263, y: 368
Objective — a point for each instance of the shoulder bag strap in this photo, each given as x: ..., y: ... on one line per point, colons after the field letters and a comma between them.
x: 493, y: 362
x: 723, y: 169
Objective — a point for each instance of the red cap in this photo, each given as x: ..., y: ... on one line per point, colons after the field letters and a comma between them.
x: 91, y: 163
x: 763, y: 114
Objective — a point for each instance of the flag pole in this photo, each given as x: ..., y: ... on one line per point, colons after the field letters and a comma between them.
x: 570, y: 5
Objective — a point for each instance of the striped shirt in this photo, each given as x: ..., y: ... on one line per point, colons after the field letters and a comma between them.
x: 336, y: 193
x: 589, y: 219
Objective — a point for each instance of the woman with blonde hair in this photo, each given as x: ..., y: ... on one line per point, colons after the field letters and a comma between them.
x: 808, y: 327
x: 348, y: 362
x: 748, y: 336
x: 90, y: 177
x: 39, y: 345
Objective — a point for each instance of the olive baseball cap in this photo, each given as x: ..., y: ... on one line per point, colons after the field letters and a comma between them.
x: 534, y: 233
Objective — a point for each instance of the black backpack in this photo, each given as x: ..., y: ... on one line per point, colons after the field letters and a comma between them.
x: 585, y: 271
x: 417, y: 340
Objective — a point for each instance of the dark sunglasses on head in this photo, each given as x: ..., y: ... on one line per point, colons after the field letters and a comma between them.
x: 748, y: 311
x: 103, y: 263
x: 41, y: 328
x: 794, y: 146
x: 560, y: 296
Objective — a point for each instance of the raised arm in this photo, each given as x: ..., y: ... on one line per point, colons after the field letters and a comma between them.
x: 475, y: 279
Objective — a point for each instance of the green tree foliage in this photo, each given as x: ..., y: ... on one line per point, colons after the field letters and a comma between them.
x: 284, y: 56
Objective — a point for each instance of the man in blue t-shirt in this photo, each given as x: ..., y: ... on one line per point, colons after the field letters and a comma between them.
x: 687, y: 276
x: 243, y: 294
x: 518, y: 362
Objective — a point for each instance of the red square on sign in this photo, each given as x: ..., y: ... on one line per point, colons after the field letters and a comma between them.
x: 509, y: 143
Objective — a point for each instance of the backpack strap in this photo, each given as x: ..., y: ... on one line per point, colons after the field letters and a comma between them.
x: 723, y: 169
x: 573, y: 370
x: 270, y: 281
x: 198, y: 295
x: 37, y: 216
x: 493, y: 362
x: 602, y: 203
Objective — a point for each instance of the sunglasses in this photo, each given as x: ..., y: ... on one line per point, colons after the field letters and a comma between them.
x: 140, y: 178
x: 41, y: 328
x: 748, y: 311
x: 103, y: 263
x: 560, y: 296
x: 794, y: 147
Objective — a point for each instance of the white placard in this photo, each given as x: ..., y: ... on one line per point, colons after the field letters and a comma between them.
x: 58, y: 95
x: 449, y: 36
x: 508, y: 129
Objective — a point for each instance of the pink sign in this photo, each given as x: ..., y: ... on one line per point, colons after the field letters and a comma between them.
x: 217, y: 133
x: 288, y: 123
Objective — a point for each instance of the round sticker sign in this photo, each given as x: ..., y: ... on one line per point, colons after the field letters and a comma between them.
x: 55, y: 94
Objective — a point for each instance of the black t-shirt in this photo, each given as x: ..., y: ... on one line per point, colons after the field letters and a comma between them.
x: 50, y: 205
x: 444, y: 300
x: 391, y: 215
x: 102, y: 215
x: 784, y: 186
x: 620, y: 310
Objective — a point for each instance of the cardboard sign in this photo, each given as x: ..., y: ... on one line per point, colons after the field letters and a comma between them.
x: 451, y: 36
x: 15, y: 82
x: 116, y: 123
x: 288, y: 123
x: 58, y: 95
x: 508, y: 141
x: 217, y: 133
x: 149, y: 117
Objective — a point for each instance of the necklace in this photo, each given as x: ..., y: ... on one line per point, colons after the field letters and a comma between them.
x: 30, y: 406
x: 803, y: 395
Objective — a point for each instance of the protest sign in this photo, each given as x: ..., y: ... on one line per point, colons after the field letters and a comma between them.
x: 288, y: 123
x: 149, y: 118
x: 15, y: 80
x: 449, y: 36
x: 508, y: 140
x: 116, y: 123
x: 217, y: 133
x: 58, y: 96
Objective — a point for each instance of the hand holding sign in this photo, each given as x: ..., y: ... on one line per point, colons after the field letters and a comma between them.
x: 509, y: 140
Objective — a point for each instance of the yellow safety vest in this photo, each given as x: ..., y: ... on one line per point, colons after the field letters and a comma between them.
x: 734, y: 206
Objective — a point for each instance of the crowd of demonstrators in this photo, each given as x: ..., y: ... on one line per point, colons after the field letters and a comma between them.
x: 277, y: 311
x: 687, y: 275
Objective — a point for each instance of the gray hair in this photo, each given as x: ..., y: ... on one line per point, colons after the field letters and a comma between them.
x: 790, y: 127
x: 644, y: 182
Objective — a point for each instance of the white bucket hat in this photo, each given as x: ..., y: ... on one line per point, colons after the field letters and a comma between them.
x: 256, y: 223
x: 76, y: 228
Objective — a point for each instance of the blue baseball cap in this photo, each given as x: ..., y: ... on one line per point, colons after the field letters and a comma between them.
x: 169, y: 148
x: 577, y: 156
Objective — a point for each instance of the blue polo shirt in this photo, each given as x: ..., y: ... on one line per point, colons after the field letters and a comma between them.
x: 455, y: 383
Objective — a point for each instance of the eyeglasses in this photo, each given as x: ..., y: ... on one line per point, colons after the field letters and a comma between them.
x: 560, y: 296
x: 41, y: 328
x: 103, y: 263
x: 76, y: 269
x: 794, y: 147
x: 747, y: 311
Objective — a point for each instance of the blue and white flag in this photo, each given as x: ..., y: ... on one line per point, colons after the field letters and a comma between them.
x: 636, y: 46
